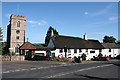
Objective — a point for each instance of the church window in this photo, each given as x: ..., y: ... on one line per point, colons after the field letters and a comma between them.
x: 17, y: 37
x: 17, y: 31
x: 17, y: 48
x: 18, y: 24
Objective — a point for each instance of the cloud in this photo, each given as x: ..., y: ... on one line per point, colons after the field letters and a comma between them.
x: 102, y: 33
x: 41, y: 23
x: 113, y: 18
x: 103, y: 11
x: 86, y: 13
x: 8, y: 15
x: 32, y: 22
x: 37, y: 23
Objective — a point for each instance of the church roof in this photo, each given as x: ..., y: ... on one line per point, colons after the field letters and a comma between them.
x: 60, y: 41
x: 27, y: 45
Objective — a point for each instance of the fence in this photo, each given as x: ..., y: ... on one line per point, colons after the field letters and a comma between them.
x: 14, y: 58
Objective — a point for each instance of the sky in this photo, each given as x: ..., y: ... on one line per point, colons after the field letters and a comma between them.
x: 96, y: 19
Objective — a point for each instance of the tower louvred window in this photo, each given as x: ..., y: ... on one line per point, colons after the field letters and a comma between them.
x: 18, y: 24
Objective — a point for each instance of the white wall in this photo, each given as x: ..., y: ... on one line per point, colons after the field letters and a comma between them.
x: 88, y: 54
x: 113, y: 53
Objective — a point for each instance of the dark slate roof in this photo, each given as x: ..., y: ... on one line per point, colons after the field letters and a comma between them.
x: 27, y: 45
x: 38, y: 45
x: 42, y: 47
x: 75, y: 42
x: 110, y: 45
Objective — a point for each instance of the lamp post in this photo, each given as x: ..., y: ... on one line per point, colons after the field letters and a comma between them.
x: 65, y: 50
x: 10, y: 50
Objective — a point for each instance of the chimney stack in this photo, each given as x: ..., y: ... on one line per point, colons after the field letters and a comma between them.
x: 52, y: 33
x: 85, y: 36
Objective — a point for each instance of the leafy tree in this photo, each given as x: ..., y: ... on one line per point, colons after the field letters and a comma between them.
x: 108, y: 39
x: 48, y: 35
x: 118, y: 42
x: 1, y: 34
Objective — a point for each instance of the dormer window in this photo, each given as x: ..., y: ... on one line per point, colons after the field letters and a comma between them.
x: 18, y: 24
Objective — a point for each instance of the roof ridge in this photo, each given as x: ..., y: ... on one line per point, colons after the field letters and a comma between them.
x: 69, y: 36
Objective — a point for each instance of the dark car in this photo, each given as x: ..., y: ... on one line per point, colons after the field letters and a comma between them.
x: 40, y: 58
x: 101, y: 59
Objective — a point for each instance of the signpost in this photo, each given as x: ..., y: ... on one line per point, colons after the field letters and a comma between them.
x: 10, y: 50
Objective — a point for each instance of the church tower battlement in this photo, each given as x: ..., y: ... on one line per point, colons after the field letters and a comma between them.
x: 16, y: 32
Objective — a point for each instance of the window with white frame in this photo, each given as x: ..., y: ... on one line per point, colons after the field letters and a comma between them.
x: 80, y: 50
x: 109, y: 50
x: 92, y: 51
x: 61, y: 50
x: 75, y: 50
x: 100, y: 50
x: 69, y: 51
x: 86, y: 50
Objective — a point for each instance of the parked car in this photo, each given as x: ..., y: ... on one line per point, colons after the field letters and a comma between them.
x: 40, y: 58
x: 101, y: 59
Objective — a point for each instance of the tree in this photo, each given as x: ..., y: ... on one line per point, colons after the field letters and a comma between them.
x: 48, y: 35
x: 1, y: 36
x: 108, y: 39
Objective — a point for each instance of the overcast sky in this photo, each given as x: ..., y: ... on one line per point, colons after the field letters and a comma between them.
x: 96, y: 19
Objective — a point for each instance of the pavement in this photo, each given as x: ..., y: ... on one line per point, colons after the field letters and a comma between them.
x: 52, y: 70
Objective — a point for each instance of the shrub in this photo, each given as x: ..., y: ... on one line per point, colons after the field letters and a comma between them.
x: 100, y: 55
x: 83, y: 56
x: 13, y: 53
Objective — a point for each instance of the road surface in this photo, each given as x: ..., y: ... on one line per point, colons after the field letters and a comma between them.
x: 97, y: 70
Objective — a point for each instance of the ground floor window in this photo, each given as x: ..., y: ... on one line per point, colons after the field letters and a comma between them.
x: 100, y: 50
x: 92, y: 51
x: 61, y: 50
x: 80, y: 50
x: 109, y: 50
x: 75, y: 50
x: 69, y: 51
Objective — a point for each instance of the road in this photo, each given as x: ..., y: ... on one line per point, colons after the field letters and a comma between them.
x: 97, y: 70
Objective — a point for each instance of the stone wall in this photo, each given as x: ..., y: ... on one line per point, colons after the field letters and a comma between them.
x: 14, y: 58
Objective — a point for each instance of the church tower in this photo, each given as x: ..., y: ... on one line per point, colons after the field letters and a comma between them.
x: 16, y: 33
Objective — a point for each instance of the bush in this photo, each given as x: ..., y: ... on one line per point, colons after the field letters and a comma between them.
x: 13, y: 53
x: 6, y: 54
x: 83, y: 56
x: 117, y: 57
x: 61, y: 59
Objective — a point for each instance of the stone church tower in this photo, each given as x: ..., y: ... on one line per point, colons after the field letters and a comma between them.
x: 16, y: 33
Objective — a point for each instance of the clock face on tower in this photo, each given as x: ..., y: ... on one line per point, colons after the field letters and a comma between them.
x: 17, y: 31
